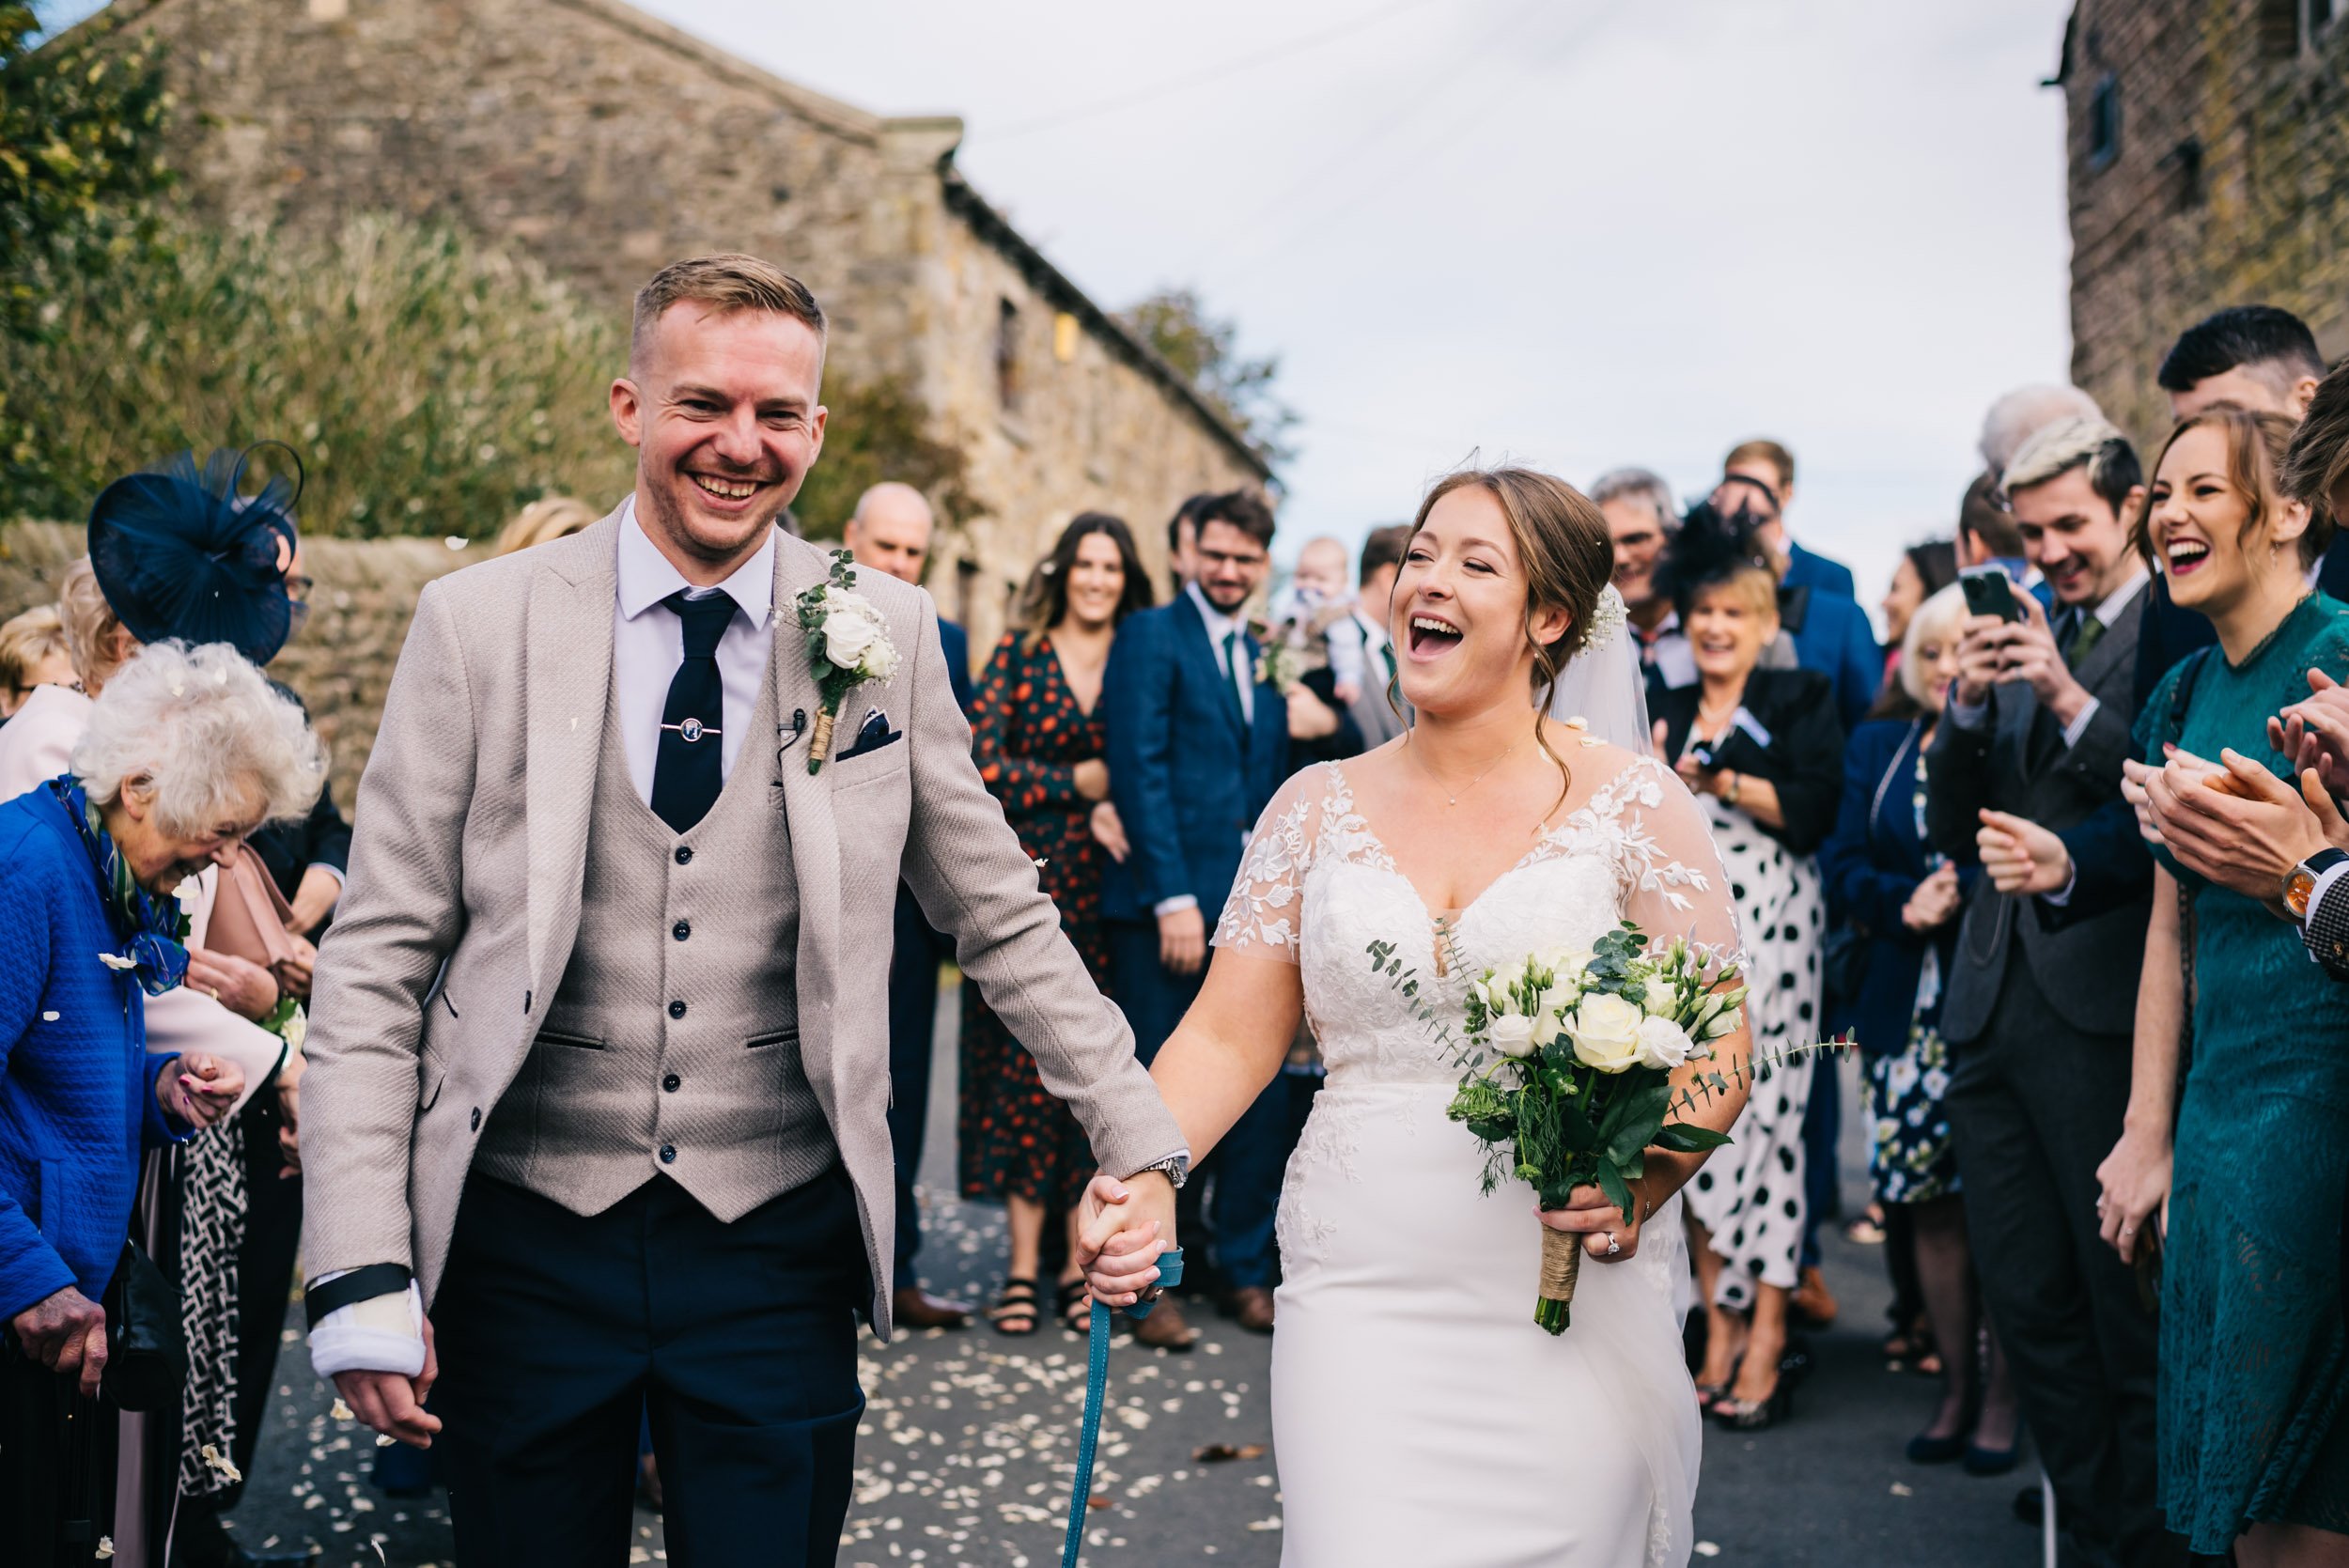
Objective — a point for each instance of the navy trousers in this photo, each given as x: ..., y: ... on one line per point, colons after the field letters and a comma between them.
x: 1233, y: 1196
x: 558, y: 1334
x: 912, y: 1029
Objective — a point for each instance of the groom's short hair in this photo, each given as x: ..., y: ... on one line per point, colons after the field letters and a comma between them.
x: 729, y: 282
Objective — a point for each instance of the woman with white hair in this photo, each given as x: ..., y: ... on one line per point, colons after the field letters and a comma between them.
x: 1881, y: 871
x: 185, y: 753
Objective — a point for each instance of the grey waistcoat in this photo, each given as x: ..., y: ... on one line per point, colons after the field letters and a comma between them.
x: 672, y: 1047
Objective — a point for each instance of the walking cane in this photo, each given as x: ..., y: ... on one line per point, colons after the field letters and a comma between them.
x: 1096, y: 1388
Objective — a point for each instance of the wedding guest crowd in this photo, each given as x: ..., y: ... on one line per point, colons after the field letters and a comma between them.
x: 2061, y: 855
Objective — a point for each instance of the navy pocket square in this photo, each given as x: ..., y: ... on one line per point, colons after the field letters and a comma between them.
x: 872, y: 734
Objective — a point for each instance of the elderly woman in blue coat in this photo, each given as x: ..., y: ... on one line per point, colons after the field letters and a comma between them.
x: 187, y: 751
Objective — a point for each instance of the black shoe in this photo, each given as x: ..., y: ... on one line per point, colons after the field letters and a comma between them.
x: 1988, y: 1462
x: 2031, y: 1506
x: 1924, y: 1450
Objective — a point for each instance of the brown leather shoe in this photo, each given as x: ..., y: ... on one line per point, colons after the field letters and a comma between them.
x: 915, y: 1307
x: 1250, y: 1306
x: 1812, y: 1302
x: 1164, y: 1329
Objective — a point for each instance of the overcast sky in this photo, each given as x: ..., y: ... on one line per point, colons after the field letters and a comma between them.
x: 1576, y: 232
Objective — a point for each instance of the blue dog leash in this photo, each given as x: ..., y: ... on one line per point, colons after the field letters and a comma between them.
x: 1096, y: 1391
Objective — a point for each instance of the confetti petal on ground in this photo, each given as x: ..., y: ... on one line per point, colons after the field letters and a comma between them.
x: 1217, y: 1453
x: 1708, y: 1548
x: 216, y: 1460
x: 105, y: 1548
x: 340, y: 1411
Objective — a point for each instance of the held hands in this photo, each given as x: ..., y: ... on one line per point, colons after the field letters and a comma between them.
x: 393, y: 1402
x: 1608, y: 1233
x: 2135, y: 1181
x: 1092, y: 779
x: 240, y: 984
x: 2022, y: 857
x: 1183, y: 941
x: 67, y: 1333
x: 1122, y: 1227
x: 1934, y: 902
x: 295, y: 971
x: 197, y: 1089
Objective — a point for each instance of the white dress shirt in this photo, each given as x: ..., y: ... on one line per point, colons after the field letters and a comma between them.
x: 648, y: 645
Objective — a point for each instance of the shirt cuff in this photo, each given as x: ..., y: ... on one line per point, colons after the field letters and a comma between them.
x: 1165, y: 906
x: 342, y: 879
x: 383, y: 1333
x: 2325, y: 880
x: 1967, y: 716
x: 2079, y: 726
x: 2062, y: 897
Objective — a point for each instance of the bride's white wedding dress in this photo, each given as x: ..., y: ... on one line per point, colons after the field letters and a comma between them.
x: 1419, y: 1415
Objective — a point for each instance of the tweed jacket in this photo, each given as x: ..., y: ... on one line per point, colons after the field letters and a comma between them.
x: 2017, y: 762
x: 468, y: 856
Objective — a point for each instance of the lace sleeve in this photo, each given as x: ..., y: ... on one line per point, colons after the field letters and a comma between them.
x: 1265, y: 915
x: 1673, y: 884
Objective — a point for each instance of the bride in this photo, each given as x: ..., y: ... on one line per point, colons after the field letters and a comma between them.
x: 1419, y: 1414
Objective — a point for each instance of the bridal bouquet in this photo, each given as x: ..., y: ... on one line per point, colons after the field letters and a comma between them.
x: 1569, y: 1057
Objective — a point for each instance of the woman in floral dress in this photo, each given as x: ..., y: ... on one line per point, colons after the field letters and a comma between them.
x: 1038, y: 737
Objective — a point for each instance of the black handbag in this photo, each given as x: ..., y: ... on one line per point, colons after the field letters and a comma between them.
x: 147, y: 1346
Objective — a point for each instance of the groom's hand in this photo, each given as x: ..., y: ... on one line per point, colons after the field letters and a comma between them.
x: 393, y: 1402
x: 1122, y: 1228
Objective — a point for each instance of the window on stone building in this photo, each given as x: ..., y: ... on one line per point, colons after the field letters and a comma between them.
x: 2104, y: 122
x: 1007, y: 355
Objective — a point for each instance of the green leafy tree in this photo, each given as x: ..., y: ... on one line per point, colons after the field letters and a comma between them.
x: 877, y: 429
x: 81, y: 131
x: 1206, y: 350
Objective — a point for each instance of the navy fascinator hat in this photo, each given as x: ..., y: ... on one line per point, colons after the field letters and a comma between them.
x: 180, y: 554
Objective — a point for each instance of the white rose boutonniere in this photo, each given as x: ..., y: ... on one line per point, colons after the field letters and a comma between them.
x: 848, y: 643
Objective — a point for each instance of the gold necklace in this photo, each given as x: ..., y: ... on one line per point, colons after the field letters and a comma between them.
x: 1452, y: 797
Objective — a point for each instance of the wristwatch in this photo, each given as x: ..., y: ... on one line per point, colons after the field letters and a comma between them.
x: 2300, y: 882
x: 1174, y: 1167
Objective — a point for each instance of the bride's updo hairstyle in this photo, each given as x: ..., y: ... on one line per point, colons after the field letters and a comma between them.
x: 1568, y: 556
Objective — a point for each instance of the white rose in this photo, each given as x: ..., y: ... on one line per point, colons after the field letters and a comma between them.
x: 1567, y: 964
x: 1662, y: 1044
x: 847, y: 636
x: 881, y: 660
x: 1512, y: 1034
x: 1605, y: 1033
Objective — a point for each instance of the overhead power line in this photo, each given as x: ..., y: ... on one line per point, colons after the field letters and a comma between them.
x: 1302, y: 44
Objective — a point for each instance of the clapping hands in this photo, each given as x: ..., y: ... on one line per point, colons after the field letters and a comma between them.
x: 2315, y: 733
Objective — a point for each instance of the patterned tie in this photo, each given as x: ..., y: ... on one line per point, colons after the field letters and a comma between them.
x: 690, y: 768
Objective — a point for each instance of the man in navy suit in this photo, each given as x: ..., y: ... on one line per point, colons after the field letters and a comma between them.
x: 890, y: 532
x: 1831, y: 632
x: 1197, y: 746
x: 1768, y: 463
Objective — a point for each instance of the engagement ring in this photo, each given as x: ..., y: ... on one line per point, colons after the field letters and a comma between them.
x: 1613, y: 1246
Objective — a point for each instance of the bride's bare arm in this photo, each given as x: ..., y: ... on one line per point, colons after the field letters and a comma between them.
x: 1228, y: 1047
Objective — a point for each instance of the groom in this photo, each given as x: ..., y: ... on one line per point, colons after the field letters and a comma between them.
x: 599, y: 1059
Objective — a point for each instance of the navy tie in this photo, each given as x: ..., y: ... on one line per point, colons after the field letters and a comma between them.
x: 690, y: 768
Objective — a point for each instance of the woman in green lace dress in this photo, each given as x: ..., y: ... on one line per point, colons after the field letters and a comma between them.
x: 2254, y: 1441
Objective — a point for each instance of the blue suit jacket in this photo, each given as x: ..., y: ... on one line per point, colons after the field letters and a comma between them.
x: 1189, y: 774
x: 1806, y: 570
x: 1871, y: 863
x: 77, y: 1088
x: 1836, y: 640
x: 956, y: 644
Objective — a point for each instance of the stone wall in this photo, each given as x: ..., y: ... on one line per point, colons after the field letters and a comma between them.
x: 605, y: 144
x: 2208, y: 149
x: 342, y: 661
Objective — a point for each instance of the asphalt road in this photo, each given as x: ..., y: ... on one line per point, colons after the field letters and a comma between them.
x: 969, y: 1439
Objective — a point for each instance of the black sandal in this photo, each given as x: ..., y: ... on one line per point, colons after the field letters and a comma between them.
x: 1015, y: 1313
x: 1073, y: 1301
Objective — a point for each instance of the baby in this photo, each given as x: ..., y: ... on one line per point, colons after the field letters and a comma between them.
x: 1318, y: 605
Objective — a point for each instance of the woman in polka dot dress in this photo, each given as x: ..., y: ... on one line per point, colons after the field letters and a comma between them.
x: 1765, y: 753
x: 1037, y: 737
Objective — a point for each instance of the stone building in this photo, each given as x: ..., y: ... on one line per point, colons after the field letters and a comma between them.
x: 605, y: 144
x: 2208, y: 150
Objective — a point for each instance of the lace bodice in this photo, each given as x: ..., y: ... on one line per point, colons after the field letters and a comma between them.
x: 1318, y: 888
